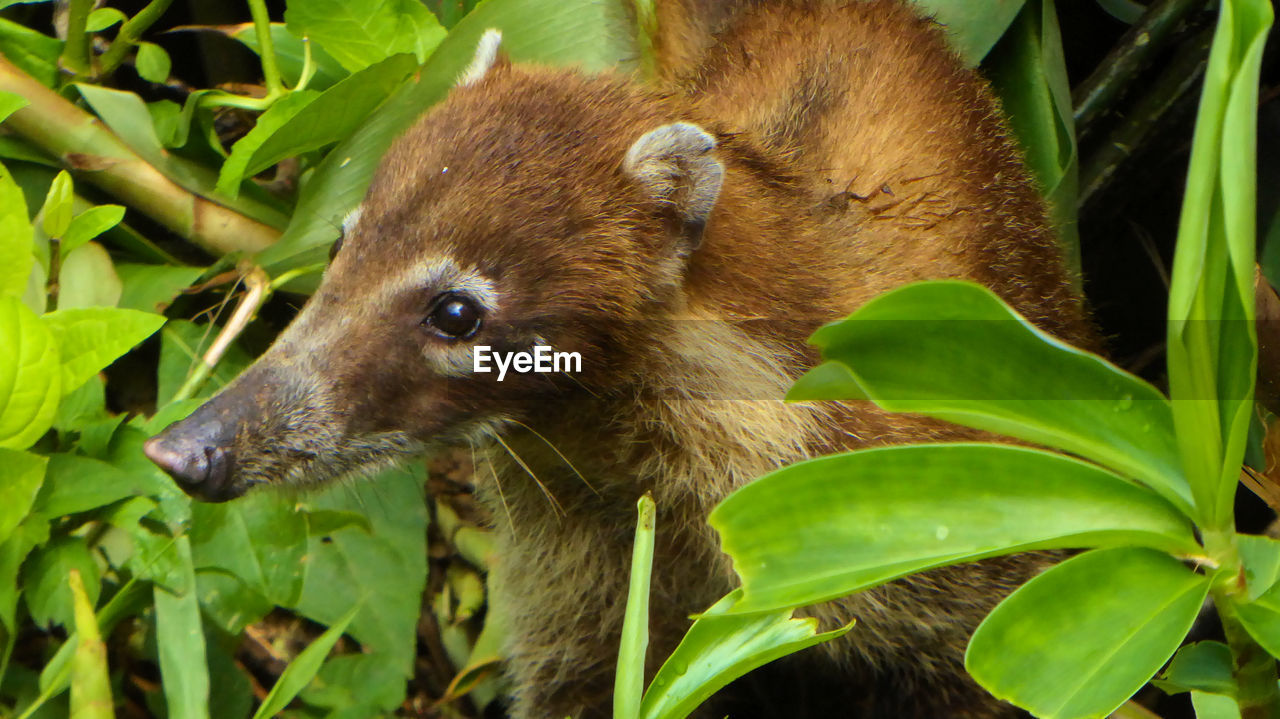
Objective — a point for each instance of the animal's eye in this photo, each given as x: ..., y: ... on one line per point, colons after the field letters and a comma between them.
x: 453, y: 316
x: 333, y: 249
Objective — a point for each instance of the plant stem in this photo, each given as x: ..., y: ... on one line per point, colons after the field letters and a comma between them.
x: 266, y: 48
x: 130, y: 31
x: 75, y: 52
x: 1129, y: 57
x: 1255, y: 670
x: 258, y: 286
x: 82, y: 144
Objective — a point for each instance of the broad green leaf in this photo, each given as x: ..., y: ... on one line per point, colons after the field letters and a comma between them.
x: 1211, y: 336
x: 268, y: 123
x: 230, y: 693
x: 1202, y: 666
x: 721, y: 647
x: 103, y: 18
x: 89, y: 224
x: 44, y: 580
x: 229, y: 603
x: 291, y: 55
x: 831, y: 526
x: 1214, y: 706
x: 180, y: 639
x: 91, y: 338
x: 9, y: 103
x: 592, y: 35
x: 182, y: 345
x: 30, y: 378
x: 1261, y: 559
x: 1261, y: 617
x: 383, y: 571
x: 356, y: 685
x: 151, y: 288
x: 21, y: 474
x: 972, y: 27
x: 13, y: 551
x: 301, y: 670
x: 88, y: 279
x: 90, y: 683
x: 1098, y: 626
x: 260, y: 538
x: 79, y: 484
x: 128, y: 117
x: 57, y: 206
x: 153, y: 62
x: 628, y: 688
x: 313, y: 122
x: 15, y: 237
x: 82, y: 405
x: 1028, y: 71
x: 977, y: 363
x: 361, y: 32
x: 33, y: 52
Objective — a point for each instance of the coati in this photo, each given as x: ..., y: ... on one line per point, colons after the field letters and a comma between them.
x: 796, y: 158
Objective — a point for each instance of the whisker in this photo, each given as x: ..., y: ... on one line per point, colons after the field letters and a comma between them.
x: 558, y: 453
x: 555, y: 504
x: 506, y: 509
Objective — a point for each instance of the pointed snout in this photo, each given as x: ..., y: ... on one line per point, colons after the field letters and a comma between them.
x: 197, y: 452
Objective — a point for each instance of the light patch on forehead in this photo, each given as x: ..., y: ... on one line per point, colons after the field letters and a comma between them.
x: 486, y: 54
x: 351, y: 220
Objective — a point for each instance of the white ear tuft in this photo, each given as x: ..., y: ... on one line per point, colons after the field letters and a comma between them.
x: 351, y: 220
x: 676, y: 164
x: 486, y: 54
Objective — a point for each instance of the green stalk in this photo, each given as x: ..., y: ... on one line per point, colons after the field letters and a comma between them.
x: 75, y: 51
x: 266, y: 48
x: 130, y: 31
x: 628, y: 687
x: 1257, y: 692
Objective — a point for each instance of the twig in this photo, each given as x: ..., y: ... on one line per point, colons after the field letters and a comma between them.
x: 258, y: 284
x: 130, y: 31
x: 266, y: 48
x: 84, y: 145
x: 1129, y: 57
x: 75, y: 52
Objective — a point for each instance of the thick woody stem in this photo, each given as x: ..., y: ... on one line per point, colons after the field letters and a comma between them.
x: 85, y: 146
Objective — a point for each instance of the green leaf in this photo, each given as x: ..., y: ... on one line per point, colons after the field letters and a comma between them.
x: 79, y: 484
x: 361, y: 684
x: 291, y: 55
x: 44, y: 580
x: 1202, y: 666
x: 103, y: 18
x: 57, y: 206
x: 180, y: 640
x: 151, y: 288
x: 1214, y: 706
x: 152, y: 63
x: 89, y: 224
x: 16, y: 237
x: 30, y: 378
x: 721, y: 647
x: 10, y: 103
x: 977, y: 363
x: 269, y: 122
x: 1098, y: 625
x: 831, y: 526
x: 1261, y: 559
x: 260, y: 538
x: 628, y: 686
x: 301, y: 670
x: 319, y: 122
x: 1028, y: 71
x: 33, y: 52
x: 91, y: 338
x: 1211, y: 339
x: 21, y: 475
x: 972, y: 27
x: 90, y: 683
x: 182, y: 344
x: 88, y: 279
x: 361, y: 32
x: 589, y: 34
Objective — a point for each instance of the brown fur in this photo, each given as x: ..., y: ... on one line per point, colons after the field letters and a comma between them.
x: 858, y: 155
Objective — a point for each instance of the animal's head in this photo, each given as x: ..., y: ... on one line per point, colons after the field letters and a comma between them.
x: 531, y: 207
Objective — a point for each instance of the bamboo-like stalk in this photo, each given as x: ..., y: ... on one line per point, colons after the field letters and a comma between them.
x: 85, y: 146
x: 75, y: 52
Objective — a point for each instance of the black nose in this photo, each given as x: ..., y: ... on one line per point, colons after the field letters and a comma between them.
x: 201, y: 465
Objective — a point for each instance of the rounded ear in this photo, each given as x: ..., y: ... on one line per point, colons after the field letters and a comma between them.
x: 676, y: 165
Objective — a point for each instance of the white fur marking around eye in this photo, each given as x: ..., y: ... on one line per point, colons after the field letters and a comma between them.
x: 486, y: 54
x: 351, y: 220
